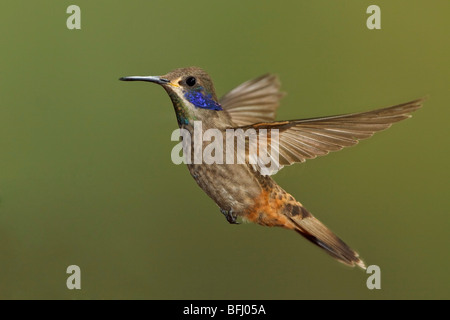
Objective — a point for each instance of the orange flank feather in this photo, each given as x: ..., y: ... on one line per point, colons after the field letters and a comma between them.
x: 267, y: 211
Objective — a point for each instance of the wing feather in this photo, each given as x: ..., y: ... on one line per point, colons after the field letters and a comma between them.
x: 253, y: 101
x: 304, y: 139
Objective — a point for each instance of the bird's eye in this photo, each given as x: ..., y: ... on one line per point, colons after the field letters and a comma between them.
x: 190, y: 81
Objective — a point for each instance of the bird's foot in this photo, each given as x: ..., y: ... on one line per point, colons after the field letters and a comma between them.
x: 231, y: 217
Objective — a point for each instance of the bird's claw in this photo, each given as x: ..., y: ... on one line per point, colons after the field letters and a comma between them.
x: 230, y: 216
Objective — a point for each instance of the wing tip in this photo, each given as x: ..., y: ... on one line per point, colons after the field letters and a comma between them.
x: 414, y: 105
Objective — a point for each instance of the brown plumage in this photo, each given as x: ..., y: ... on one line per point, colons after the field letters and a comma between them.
x: 240, y: 190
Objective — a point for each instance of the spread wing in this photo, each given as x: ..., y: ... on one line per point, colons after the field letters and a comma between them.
x: 253, y: 101
x: 299, y: 140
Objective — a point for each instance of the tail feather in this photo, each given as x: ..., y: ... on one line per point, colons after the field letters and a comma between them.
x: 278, y: 208
x: 316, y: 232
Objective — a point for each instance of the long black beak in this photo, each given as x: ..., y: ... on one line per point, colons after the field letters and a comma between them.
x: 153, y: 79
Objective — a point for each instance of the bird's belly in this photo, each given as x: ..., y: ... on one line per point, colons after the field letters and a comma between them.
x: 231, y: 186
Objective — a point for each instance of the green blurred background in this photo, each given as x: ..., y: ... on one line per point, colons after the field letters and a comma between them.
x: 86, y: 176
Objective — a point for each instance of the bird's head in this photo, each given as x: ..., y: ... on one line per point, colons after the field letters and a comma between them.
x: 191, y: 91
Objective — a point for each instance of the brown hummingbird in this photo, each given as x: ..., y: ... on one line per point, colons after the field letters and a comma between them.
x: 239, y: 189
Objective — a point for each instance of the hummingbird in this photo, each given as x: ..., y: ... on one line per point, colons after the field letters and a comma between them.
x: 241, y: 192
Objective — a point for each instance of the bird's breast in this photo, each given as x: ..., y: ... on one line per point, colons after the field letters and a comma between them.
x: 231, y: 186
